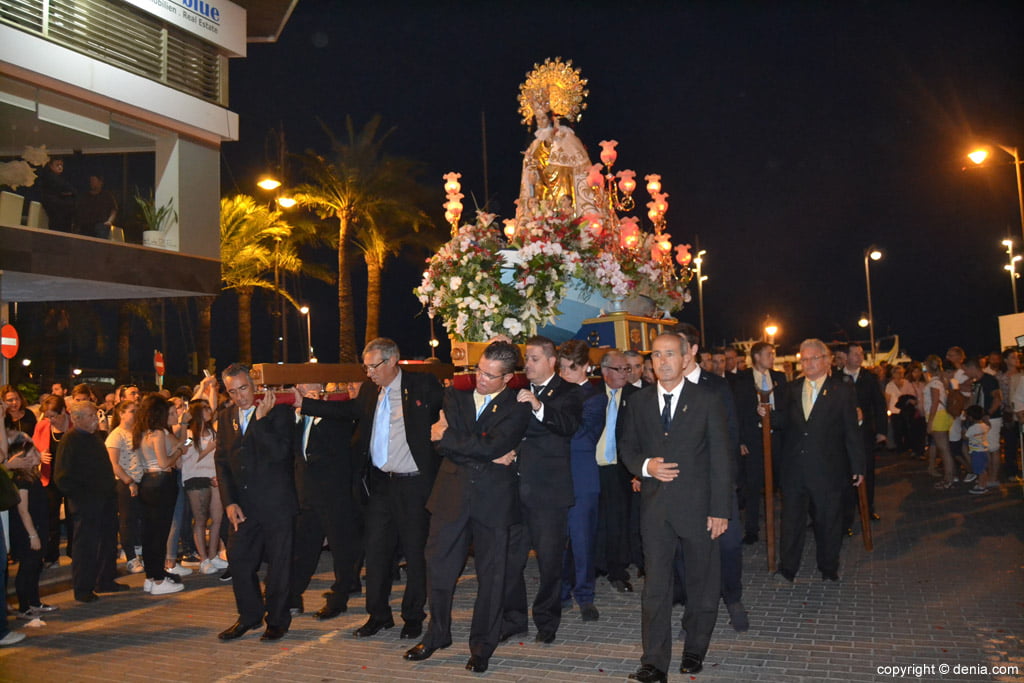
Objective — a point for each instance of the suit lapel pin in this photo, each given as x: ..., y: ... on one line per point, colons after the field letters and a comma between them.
x: 234, y: 424
x: 494, y: 407
x: 824, y: 392
x: 685, y: 407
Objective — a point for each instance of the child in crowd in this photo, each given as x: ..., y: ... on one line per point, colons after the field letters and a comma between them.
x: 977, y: 446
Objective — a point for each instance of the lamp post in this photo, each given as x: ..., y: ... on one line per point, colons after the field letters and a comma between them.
x: 979, y: 155
x: 699, y: 262
x: 770, y: 330
x: 872, y: 253
x: 1011, y: 267
x: 309, y: 333
x: 271, y: 184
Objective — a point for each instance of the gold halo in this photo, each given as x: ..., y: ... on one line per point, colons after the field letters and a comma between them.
x: 558, y: 83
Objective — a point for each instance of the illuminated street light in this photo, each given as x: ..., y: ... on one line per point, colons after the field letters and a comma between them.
x: 863, y: 322
x: 770, y: 330
x: 285, y: 202
x: 872, y: 253
x: 25, y: 362
x: 979, y: 156
x: 76, y: 372
x: 269, y: 184
x: 1011, y: 267
x: 309, y: 334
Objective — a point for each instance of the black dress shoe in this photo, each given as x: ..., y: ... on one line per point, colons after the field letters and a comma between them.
x: 372, y: 628
x: 546, y: 637
x: 589, y: 613
x: 86, y: 597
x: 830, y: 576
x: 508, y: 634
x: 273, y: 633
x: 692, y: 663
x: 421, y: 652
x: 236, y: 630
x: 412, y: 629
x: 622, y: 586
x: 329, y: 611
x: 113, y: 587
x: 648, y: 674
x: 750, y: 539
x: 477, y: 664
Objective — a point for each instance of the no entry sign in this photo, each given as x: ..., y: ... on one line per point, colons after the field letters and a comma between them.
x: 8, y: 341
x: 158, y: 363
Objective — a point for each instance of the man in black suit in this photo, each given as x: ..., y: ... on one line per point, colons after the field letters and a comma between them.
x: 676, y: 437
x: 395, y: 412
x: 474, y: 501
x: 822, y: 446
x: 257, y: 486
x: 747, y: 388
x: 545, y: 492
x: 873, y: 425
x: 325, y: 473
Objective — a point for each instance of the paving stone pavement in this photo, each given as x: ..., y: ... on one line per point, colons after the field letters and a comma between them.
x: 944, y: 586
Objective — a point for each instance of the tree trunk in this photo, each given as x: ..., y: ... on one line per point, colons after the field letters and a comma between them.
x: 346, y: 317
x: 373, y: 271
x: 124, y: 342
x: 245, y: 325
x: 204, y: 307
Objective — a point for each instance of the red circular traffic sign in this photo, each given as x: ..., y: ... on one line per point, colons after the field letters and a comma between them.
x: 8, y: 341
x: 158, y: 363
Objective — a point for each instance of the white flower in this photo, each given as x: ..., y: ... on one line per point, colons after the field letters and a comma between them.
x: 513, y: 326
x: 455, y: 282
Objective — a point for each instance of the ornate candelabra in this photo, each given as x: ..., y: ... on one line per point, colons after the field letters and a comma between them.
x: 453, y: 207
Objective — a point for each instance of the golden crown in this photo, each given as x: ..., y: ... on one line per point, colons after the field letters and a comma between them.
x: 556, y: 84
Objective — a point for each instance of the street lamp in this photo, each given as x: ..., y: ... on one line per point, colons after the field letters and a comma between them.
x: 863, y: 322
x: 309, y: 335
x: 770, y: 330
x: 872, y: 253
x: 698, y: 261
x: 979, y: 156
x: 1012, y: 268
x: 270, y: 184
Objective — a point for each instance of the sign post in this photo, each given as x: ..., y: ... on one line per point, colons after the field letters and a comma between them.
x: 158, y: 367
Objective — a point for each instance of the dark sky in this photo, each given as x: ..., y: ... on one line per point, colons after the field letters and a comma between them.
x: 789, y: 136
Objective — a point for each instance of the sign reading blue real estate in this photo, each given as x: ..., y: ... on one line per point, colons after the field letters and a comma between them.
x: 216, y: 21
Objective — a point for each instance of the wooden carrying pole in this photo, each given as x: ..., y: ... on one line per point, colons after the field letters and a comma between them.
x: 865, y: 516
x: 769, y: 480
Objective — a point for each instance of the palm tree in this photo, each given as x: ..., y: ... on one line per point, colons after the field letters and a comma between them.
x: 358, y: 185
x: 252, y: 239
x: 126, y: 311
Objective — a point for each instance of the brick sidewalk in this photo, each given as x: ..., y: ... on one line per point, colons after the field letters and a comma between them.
x: 945, y: 585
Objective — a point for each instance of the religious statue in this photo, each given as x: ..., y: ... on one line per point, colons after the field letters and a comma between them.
x: 555, y: 165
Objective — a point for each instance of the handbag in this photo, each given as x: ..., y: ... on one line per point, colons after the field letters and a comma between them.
x: 9, y: 495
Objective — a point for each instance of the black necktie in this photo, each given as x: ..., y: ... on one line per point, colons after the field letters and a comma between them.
x: 537, y: 388
x: 666, y: 413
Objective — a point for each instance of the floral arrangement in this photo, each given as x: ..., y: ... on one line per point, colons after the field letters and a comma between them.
x: 481, y: 286
x: 22, y: 172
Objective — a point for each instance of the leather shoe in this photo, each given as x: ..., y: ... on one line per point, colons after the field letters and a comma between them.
x: 546, y: 637
x: 692, y: 663
x: 86, y: 597
x: 750, y: 539
x: 648, y: 674
x: 412, y: 629
x: 589, y: 613
x: 236, y: 630
x: 421, y: 652
x: 622, y: 586
x: 477, y: 664
x: 113, y: 587
x: 329, y: 611
x: 273, y: 633
x: 372, y: 627
x: 509, y: 634
x: 830, y: 576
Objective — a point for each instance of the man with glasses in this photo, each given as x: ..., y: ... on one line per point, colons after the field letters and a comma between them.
x: 474, y: 501
x: 822, y: 446
x: 395, y: 412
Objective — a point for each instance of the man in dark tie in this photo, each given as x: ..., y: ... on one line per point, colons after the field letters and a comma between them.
x: 676, y: 438
x: 395, y: 412
x: 822, y: 446
x: 474, y: 501
x: 325, y: 473
x: 545, y: 492
x: 257, y: 486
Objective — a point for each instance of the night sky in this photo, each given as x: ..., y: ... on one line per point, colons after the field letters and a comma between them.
x: 789, y: 138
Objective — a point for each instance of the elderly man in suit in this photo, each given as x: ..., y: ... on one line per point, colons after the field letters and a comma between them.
x: 474, y: 501
x: 822, y: 447
x: 257, y: 486
x: 395, y: 413
x: 676, y: 438
x: 325, y: 473
x: 545, y: 492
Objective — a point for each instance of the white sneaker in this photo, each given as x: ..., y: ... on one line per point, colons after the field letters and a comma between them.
x: 12, y: 638
x: 147, y: 586
x: 179, y: 570
x: 164, y: 587
x: 219, y: 563
x: 206, y: 567
x: 134, y: 566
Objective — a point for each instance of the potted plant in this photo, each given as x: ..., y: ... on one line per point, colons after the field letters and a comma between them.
x: 156, y: 219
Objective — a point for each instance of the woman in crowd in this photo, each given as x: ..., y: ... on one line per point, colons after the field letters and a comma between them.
x: 49, y: 431
x: 28, y: 523
x: 128, y: 469
x: 898, y: 392
x: 200, y: 480
x: 159, y: 451
x: 18, y: 417
x: 939, y: 421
